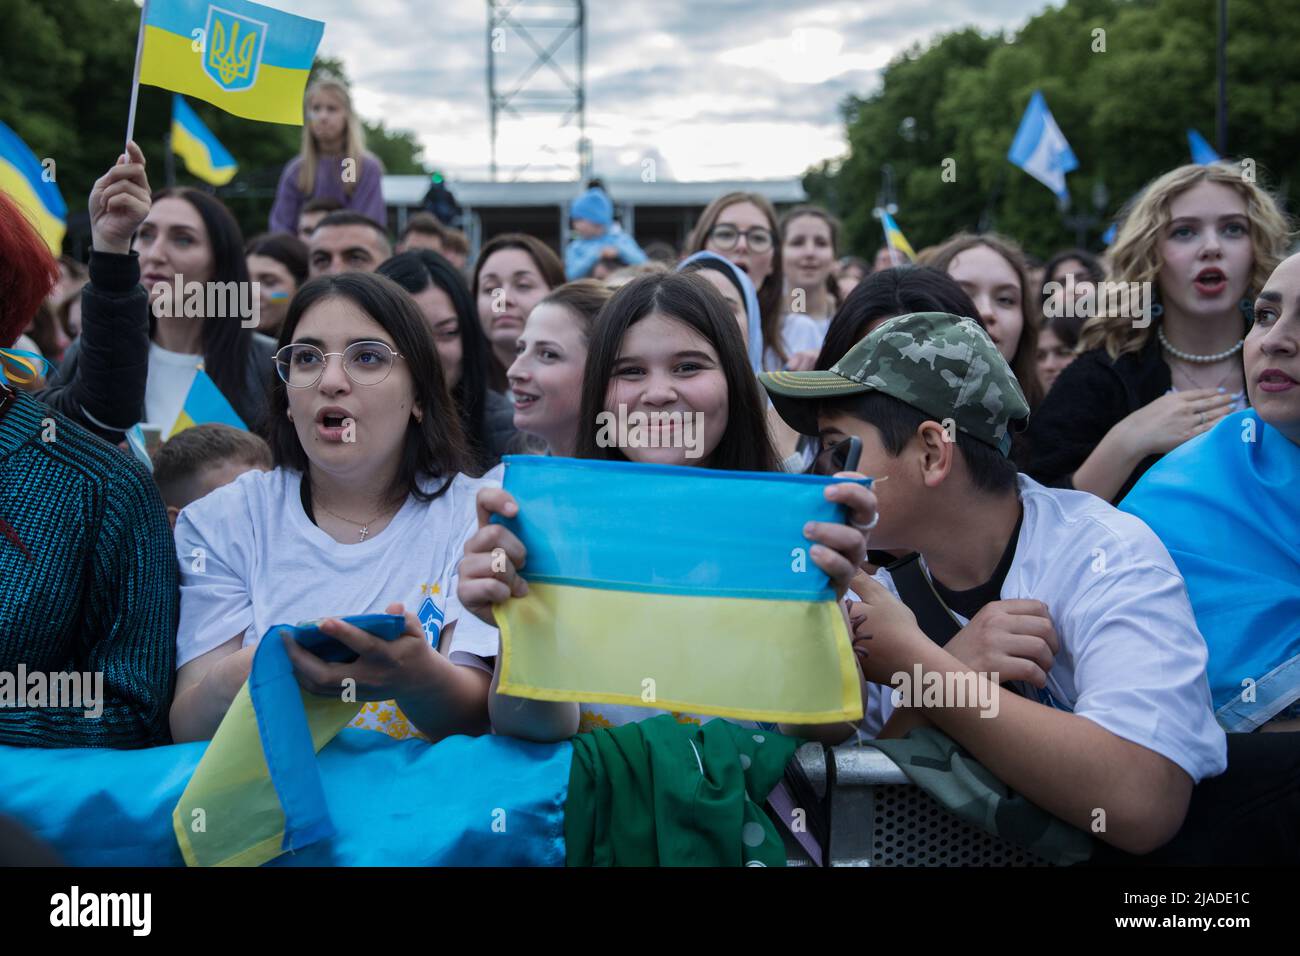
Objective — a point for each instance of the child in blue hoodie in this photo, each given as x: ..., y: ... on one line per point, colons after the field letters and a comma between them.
x: 598, y: 236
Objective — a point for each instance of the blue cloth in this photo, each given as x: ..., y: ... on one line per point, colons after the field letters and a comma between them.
x: 594, y: 206
x: 753, y: 314
x: 581, y: 255
x: 1227, y: 507
x: 485, y: 801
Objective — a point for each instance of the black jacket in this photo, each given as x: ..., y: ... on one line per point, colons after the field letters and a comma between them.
x: 101, y: 380
x: 1089, y: 398
x: 100, y: 383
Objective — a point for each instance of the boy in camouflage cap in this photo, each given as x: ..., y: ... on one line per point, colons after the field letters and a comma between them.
x: 940, y: 364
x: 1077, y: 603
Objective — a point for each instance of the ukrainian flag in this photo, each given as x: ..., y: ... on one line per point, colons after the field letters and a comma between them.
x: 193, y: 142
x: 205, y: 404
x: 246, y: 58
x: 675, y: 588
x: 894, y: 237
x: 21, y: 178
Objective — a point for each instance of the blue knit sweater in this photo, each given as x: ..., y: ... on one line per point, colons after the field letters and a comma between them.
x: 88, y: 582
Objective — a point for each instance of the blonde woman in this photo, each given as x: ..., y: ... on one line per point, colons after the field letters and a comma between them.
x: 1197, y: 246
x: 333, y: 163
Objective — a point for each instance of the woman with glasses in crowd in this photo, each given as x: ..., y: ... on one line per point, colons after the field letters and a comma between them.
x: 743, y: 228
x: 366, y: 512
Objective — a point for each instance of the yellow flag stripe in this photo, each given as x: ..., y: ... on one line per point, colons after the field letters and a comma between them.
x: 788, y: 661
x: 169, y: 61
x: 198, y: 159
x: 15, y: 184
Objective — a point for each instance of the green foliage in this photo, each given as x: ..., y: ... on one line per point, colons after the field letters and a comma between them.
x: 65, y: 88
x: 1125, y: 112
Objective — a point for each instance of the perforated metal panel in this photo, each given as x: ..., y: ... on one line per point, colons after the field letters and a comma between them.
x: 910, y: 829
x: 879, y: 818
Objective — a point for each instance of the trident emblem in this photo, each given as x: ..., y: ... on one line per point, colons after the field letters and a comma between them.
x: 234, y: 49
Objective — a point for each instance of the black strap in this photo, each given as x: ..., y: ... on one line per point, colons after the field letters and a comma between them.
x: 917, y: 592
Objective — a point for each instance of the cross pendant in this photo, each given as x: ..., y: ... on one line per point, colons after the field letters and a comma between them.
x: 365, y: 530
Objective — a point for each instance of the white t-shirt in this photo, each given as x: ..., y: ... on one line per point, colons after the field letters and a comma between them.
x: 799, y: 333
x: 251, y: 559
x: 1131, y: 658
x: 170, y: 376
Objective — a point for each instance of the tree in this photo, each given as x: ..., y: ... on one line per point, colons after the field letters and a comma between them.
x: 1124, y: 99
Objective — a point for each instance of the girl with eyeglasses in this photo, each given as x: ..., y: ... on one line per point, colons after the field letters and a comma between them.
x: 743, y: 228
x: 366, y: 512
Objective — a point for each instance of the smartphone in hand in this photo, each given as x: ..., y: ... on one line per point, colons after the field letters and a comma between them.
x: 310, y: 636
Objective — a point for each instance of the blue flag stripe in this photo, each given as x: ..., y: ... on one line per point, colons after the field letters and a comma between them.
x: 668, y: 530
x: 290, y: 42
x: 19, y: 155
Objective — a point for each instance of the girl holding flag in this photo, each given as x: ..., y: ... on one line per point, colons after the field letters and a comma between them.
x: 663, y: 343
x: 191, y: 237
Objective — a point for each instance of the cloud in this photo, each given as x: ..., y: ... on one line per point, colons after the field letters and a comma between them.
x: 709, y: 88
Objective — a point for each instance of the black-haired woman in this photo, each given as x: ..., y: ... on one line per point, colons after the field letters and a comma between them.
x: 366, y: 512
x: 666, y: 344
x: 439, y: 289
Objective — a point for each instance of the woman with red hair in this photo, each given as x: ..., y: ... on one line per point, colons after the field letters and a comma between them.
x: 89, y: 593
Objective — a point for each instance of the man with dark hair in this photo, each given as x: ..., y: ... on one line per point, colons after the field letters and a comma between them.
x: 455, y: 248
x: 201, y: 459
x: 423, y: 231
x: 312, y: 213
x: 347, y: 242
x: 1107, y: 722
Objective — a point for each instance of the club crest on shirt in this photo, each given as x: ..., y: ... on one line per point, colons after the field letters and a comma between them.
x: 431, y: 617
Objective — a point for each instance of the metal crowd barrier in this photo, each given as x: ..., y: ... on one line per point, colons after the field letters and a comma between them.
x: 877, y: 817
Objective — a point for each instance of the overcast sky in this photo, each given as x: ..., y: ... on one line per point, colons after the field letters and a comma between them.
x: 707, y: 89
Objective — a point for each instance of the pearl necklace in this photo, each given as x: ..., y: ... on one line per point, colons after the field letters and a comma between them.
x: 1197, y: 359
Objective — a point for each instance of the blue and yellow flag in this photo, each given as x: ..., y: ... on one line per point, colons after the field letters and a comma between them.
x: 675, y: 588
x: 193, y: 142
x: 894, y: 237
x: 205, y: 404
x: 22, y: 178
x: 248, y: 59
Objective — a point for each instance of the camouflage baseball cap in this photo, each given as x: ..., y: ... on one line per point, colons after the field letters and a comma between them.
x: 940, y: 364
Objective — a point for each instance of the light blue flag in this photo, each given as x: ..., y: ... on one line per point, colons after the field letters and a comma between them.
x: 1202, y: 152
x: 392, y: 802
x: 1224, y: 505
x: 1040, y: 148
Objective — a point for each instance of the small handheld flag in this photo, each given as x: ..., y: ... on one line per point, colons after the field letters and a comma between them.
x: 22, y: 178
x: 193, y: 142
x: 1040, y: 148
x: 205, y: 404
x: 709, y: 608
x: 1202, y: 152
x: 894, y: 237
x: 246, y: 58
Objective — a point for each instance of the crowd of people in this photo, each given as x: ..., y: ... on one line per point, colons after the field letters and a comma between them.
x: 1098, y: 488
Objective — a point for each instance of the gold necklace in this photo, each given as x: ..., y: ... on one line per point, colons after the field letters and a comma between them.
x: 365, y: 527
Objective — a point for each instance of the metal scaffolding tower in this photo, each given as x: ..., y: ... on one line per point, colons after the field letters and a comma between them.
x: 543, y: 46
